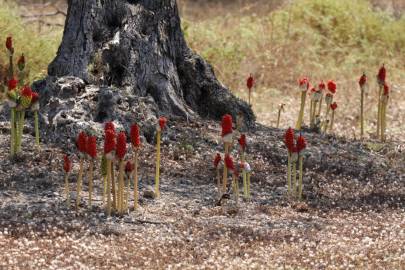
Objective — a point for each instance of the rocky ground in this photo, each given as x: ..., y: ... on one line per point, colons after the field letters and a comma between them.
x: 352, y: 216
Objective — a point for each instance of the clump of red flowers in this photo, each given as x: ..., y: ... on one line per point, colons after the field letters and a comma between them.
x: 217, y: 160
x: 109, y: 141
x: 242, y: 142
x: 92, y: 146
x: 135, y: 139
x: 332, y: 86
x: 382, y: 73
x: 162, y: 122
x: 129, y: 167
x: 121, y: 145
x: 81, y: 142
x: 333, y: 106
x: 9, y: 44
x: 250, y: 82
x: 226, y: 125
x: 289, y: 139
x: 229, y: 162
x: 12, y: 83
x: 363, y: 80
x: 67, y: 164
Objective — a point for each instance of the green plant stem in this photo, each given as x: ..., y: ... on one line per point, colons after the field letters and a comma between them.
x: 235, y: 188
x: 362, y: 113
x: 225, y: 174
x: 113, y: 186
x: 157, y: 174
x: 332, y: 121
x: 301, y: 159
x: 248, y: 184
x: 67, y: 191
x: 121, y: 186
x: 278, y: 117
x: 136, y: 192
x: 91, y: 175
x: 289, y: 173
x: 13, y: 132
x: 379, y: 109
x: 79, y: 183
x: 301, y: 113
x: 320, y: 106
x: 108, y: 187
x: 36, y: 123
x: 218, y: 182
x: 311, y: 108
x: 21, y: 130
x: 294, y: 178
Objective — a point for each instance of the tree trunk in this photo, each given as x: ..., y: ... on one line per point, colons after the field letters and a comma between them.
x: 138, y: 45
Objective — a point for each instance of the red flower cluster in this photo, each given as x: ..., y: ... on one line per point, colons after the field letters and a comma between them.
x: 386, y: 89
x: 217, y: 160
x: 333, y: 106
x: 109, y: 141
x: 162, y: 122
x: 226, y: 124
x: 135, y: 140
x: 34, y: 97
x: 67, y: 164
x: 92, y: 146
x: 129, y: 167
x: 332, y: 86
x: 321, y: 86
x: 229, y: 162
x: 250, y: 82
x: 289, y: 139
x: 12, y: 83
x: 382, y: 73
x: 109, y: 126
x: 26, y: 91
x: 81, y: 142
x: 242, y: 141
x: 9, y: 43
x: 304, y: 82
x: 363, y: 80
x: 21, y: 62
x: 301, y: 143
x: 121, y: 145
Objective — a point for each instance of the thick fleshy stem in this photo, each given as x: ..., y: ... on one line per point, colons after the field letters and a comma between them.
x: 383, y: 119
x: 362, y: 113
x: 136, y: 192
x: 79, y: 183
x: 332, y: 120
x: 157, y: 174
x: 218, y: 176
x: 235, y: 188
x: 301, y: 161
x: 248, y: 184
x: 121, y: 186
x: 225, y: 173
x: 325, y: 123
x: 20, y: 130
x: 67, y: 191
x: 314, y: 113
x: 380, y: 91
x: 280, y: 109
x: 289, y: 173
x: 13, y: 132
x: 36, y: 123
x: 294, y: 177
x: 108, y: 187
x: 113, y: 186
x: 311, y: 109
x: 91, y: 175
x: 104, y: 189
x: 301, y: 114
x: 245, y: 186
x: 320, y: 106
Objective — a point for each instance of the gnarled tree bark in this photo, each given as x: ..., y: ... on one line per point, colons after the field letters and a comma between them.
x: 139, y: 45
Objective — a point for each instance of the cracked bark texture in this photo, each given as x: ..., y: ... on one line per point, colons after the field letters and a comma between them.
x: 139, y: 45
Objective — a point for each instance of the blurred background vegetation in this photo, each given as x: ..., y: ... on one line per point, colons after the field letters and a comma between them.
x: 276, y: 40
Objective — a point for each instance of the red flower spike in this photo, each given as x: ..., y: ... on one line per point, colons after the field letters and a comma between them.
x: 386, y: 89
x: 242, y: 141
x: 67, y: 164
x: 81, y: 142
x: 162, y: 122
x: 217, y: 160
x: 226, y: 125
x: 34, y: 97
x: 322, y: 86
x: 229, y: 163
x: 250, y: 82
x: 121, y: 145
x: 294, y: 149
x: 109, y: 126
x: 109, y: 141
x: 313, y: 90
x: 129, y: 167
x: 289, y: 139
x: 363, y: 80
x: 9, y: 43
x: 135, y: 140
x: 382, y: 73
x: 12, y: 84
x: 332, y: 86
x: 92, y: 146
x: 301, y: 143
x: 21, y: 62
x: 26, y: 91
x: 304, y: 83
x: 333, y: 106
